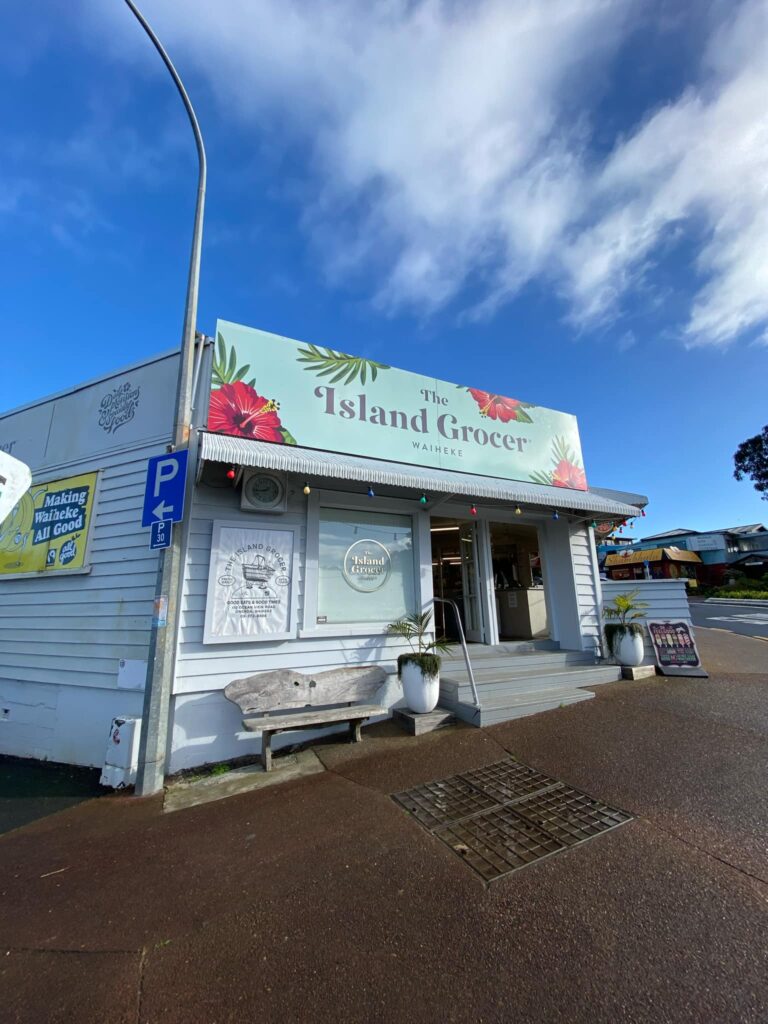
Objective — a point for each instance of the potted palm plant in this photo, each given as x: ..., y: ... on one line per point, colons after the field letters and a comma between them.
x: 419, y: 670
x: 624, y: 633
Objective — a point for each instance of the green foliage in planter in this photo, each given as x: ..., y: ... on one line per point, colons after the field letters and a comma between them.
x: 428, y: 663
x: 625, y: 609
x: 414, y: 628
x: 614, y: 631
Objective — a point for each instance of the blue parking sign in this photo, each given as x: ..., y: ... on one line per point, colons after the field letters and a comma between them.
x: 160, y: 534
x: 164, y: 488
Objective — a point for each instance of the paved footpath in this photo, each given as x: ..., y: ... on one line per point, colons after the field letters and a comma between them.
x: 320, y: 900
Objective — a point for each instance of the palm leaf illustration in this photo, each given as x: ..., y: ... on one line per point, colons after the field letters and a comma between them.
x: 225, y: 369
x: 338, y: 366
x: 562, y: 450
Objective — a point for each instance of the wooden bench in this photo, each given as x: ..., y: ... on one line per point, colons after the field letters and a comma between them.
x: 305, y: 701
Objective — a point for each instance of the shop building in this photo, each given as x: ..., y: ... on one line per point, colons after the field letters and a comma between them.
x: 332, y: 495
x: 669, y: 563
x: 743, y: 548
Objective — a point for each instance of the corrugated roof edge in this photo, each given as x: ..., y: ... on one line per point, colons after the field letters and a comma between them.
x: 334, y: 465
x: 625, y: 497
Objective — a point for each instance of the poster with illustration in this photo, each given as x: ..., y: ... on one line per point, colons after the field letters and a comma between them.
x: 250, y: 584
x: 47, y: 531
x: 675, y: 647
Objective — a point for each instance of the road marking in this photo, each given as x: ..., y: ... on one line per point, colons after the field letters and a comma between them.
x: 758, y: 620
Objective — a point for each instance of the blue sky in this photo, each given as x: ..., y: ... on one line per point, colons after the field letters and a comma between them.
x: 564, y: 202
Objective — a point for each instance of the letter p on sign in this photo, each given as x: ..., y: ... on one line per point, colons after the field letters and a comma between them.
x: 165, y: 471
x: 164, y: 488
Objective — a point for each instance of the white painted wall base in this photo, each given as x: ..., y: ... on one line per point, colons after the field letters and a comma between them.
x: 667, y: 599
x: 65, y: 723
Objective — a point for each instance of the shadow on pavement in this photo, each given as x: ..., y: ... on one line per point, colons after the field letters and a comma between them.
x: 34, y: 789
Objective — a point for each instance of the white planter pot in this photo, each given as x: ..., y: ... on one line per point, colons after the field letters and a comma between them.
x: 421, y: 692
x: 630, y: 650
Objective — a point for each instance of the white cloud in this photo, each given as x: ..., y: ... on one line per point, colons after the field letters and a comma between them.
x: 452, y: 145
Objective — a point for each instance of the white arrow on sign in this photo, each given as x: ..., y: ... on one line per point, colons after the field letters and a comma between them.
x: 161, y: 509
x: 15, y: 479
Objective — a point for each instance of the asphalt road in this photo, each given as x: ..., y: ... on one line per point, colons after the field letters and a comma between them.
x: 33, y: 789
x: 745, y: 619
x: 321, y: 900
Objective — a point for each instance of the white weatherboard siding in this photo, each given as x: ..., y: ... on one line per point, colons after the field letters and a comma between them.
x: 667, y: 599
x: 206, y: 726
x: 62, y: 637
x: 587, y: 585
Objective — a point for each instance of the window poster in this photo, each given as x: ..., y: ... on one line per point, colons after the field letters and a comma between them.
x: 47, y: 531
x: 250, y: 584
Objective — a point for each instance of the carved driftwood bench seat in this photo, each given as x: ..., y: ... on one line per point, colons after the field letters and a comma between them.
x: 306, y: 701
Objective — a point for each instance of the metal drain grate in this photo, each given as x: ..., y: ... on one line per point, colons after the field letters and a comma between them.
x: 438, y: 803
x: 507, y: 815
x: 498, y: 841
x: 569, y: 815
x: 508, y: 780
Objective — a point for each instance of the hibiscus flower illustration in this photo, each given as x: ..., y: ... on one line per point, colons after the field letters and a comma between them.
x: 566, y: 474
x: 238, y: 409
x: 498, y: 407
x: 566, y: 471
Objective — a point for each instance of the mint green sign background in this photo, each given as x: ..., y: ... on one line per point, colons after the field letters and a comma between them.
x: 270, y: 388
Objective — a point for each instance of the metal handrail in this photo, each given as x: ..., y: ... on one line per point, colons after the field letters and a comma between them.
x: 467, y: 662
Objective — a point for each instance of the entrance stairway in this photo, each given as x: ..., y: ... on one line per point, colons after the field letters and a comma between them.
x: 519, y: 678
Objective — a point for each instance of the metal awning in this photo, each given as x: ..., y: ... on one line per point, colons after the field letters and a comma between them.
x: 309, y: 462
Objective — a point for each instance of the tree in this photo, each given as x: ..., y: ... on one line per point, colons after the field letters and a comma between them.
x: 751, y: 460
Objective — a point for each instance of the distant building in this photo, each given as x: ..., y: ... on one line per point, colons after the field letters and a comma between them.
x: 734, y: 547
x: 646, y: 563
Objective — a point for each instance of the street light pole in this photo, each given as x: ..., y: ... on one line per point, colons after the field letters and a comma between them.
x: 162, y: 647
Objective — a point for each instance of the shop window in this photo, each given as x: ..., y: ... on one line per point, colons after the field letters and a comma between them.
x: 365, y: 567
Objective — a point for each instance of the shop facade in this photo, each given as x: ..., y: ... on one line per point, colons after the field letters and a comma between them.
x: 332, y: 496
x: 668, y: 563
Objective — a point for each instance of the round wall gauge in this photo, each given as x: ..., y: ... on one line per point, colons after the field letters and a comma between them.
x: 263, y: 492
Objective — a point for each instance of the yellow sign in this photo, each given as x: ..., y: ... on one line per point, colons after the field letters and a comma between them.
x: 48, y: 530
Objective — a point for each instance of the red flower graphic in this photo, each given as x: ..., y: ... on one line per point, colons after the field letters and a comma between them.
x: 237, y: 409
x: 497, y: 407
x: 566, y: 474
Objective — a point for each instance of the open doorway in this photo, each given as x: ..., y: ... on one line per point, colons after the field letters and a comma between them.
x: 518, y: 582
x: 456, y: 577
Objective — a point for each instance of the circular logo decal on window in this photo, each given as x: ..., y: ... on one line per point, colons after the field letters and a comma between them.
x: 366, y: 566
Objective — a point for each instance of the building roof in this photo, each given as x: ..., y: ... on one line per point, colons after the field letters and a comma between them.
x: 679, y: 532
x: 240, y: 451
x: 627, y: 497
x: 651, y: 555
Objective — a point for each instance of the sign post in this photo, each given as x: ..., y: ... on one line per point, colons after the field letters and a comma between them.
x: 157, y: 696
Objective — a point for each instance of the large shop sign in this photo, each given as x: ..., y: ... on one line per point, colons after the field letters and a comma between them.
x: 47, y: 531
x: 251, y: 584
x: 269, y: 388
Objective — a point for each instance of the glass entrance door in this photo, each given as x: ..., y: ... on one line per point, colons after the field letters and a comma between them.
x: 470, y: 580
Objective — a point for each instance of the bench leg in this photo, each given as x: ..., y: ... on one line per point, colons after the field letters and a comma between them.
x: 266, y: 751
x: 355, y: 736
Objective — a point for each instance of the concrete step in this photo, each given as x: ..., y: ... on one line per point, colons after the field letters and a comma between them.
x: 516, y: 663
x: 519, y: 706
x: 506, y: 647
x: 491, y: 687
